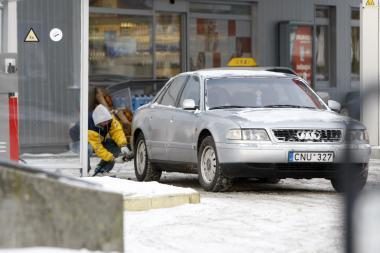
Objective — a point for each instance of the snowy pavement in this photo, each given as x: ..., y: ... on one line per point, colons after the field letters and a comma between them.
x: 133, y: 189
x: 292, y: 216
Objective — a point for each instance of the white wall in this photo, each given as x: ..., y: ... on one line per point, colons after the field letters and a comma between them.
x: 12, y: 26
x: 370, y: 71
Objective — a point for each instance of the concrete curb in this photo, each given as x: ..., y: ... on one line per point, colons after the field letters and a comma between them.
x: 147, y: 203
x: 41, y: 209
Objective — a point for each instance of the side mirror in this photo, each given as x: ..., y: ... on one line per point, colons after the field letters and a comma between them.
x: 335, y: 106
x: 188, y: 104
x: 325, y: 96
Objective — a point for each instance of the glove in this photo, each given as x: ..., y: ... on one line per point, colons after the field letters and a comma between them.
x: 119, y: 159
x: 126, y: 152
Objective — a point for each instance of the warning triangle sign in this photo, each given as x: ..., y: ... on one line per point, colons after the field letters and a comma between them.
x: 31, y: 36
x: 370, y: 3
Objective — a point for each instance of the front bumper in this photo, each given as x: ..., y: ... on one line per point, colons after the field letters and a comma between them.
x: 278, y: 153
x: 271, y: 160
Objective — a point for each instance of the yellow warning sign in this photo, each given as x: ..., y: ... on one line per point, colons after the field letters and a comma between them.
x: 370, y: 3
x: 31, y: 36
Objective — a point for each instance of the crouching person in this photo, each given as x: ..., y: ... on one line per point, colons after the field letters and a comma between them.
x: 107, y: 139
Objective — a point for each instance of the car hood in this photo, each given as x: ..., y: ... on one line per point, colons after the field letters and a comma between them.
x: 287, y: 118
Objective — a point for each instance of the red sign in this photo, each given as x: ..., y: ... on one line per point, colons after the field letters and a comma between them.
x: 302, y: 52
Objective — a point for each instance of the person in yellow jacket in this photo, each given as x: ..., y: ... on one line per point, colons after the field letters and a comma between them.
x: 107, y: 139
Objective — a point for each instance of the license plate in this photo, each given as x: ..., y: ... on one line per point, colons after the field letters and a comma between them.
x: 310, y: 157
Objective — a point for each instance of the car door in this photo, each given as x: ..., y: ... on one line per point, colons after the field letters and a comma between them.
x: 159, y: 119
x: 183, y: 123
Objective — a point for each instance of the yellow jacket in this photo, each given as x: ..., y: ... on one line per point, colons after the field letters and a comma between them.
x: 97, y: 135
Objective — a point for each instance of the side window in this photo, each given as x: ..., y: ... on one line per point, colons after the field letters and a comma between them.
x: 172, y: 92
x: 191, y: 91
x: 162, y: 92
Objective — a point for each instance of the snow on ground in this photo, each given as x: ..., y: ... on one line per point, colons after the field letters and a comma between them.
x: 257, y: 218
x: 138, y: 189
x: 292, y: 216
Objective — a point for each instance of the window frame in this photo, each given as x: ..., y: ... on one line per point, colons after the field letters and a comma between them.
x: 330, y: 22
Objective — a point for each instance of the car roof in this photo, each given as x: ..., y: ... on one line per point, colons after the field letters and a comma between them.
x: 239, y: 72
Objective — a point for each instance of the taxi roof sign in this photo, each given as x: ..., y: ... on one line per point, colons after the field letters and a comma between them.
x: 242, y: 62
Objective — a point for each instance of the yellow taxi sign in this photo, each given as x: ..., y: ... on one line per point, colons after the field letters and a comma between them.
x: 242, y: 62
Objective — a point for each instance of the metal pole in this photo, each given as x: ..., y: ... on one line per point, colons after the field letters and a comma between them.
x: 84, y: 86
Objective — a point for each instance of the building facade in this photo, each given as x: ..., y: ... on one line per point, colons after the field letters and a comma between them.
x: 156, y: 39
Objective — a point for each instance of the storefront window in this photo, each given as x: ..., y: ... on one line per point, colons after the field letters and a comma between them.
x: 121, y: 45
x: 124, y: 4
x: 355, y: 14
x: 355, y: 53
x: 168, y: 45
x: 355, y: 45
x: 322, y: 53
x: 301, y: 51
x: 325, y: 25
x: 213, y: 42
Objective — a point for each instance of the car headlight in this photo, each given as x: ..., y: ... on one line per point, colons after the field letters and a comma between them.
x: 248, y: 134
x: 357, y: 136
x: 234, y: 134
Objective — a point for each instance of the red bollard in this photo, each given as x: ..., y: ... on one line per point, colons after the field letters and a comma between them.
x: 13, y: 127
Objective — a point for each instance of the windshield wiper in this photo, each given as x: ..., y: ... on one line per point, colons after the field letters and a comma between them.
x: 230, y: 106
x: 288, y: 106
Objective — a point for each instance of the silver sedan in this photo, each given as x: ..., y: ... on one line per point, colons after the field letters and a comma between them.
x: 240, y: 123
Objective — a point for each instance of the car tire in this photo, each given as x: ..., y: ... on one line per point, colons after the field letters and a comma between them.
x: 209, y: 171
x: 358, y: 184
x: 144, y: 169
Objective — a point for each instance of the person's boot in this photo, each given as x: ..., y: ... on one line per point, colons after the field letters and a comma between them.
x: 98, y: 170
x: 103, y: 167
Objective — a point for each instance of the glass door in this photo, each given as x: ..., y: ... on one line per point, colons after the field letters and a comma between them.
x: 43, y: 58
x: 169, y: 33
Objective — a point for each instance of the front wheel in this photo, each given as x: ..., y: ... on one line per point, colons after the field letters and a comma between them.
x: 360, y: 180
x: 209, y: 171
x: 144, y: 169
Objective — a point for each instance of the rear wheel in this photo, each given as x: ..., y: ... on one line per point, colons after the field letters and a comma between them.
x: 360, y: 179
x: 144, y: 169
x: 209, y: 171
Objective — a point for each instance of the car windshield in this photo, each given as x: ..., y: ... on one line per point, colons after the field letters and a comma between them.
x: 255, y: 92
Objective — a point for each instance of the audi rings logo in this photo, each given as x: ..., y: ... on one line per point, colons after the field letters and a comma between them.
x: 311, y: 135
